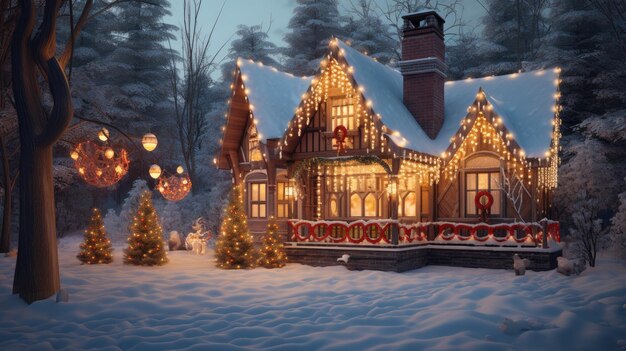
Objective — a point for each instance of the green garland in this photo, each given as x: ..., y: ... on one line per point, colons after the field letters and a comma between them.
x: 312, y: 163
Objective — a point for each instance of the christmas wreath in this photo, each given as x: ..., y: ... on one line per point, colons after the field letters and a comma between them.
x: 479, y: 204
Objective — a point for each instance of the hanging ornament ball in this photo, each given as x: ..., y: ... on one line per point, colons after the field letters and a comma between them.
x: 109, y: 153
x: 180, y: 170
x: 74, y: 155
x: 103, y: 134
x: 149, y: 141
x: 155, y: 171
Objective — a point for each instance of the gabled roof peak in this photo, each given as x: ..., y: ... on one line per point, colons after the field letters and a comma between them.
x: 525, y: 101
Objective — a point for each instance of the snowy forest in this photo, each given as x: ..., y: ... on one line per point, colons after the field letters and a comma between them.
x: 127, y: 74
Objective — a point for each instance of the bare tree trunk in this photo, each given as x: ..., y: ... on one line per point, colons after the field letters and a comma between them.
x: 5, y: 237
x: 37, y: 269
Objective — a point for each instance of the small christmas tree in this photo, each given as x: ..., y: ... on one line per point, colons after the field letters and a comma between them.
x: 272, y: 253
x: 234, y: 248
x: 145, y: 243
x: 97, y: 247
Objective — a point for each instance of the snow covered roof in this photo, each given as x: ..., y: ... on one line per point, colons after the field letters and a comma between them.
x: 274, y: 96
x: 524, y: 101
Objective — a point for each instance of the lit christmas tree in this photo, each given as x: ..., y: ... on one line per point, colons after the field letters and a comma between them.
x: 272, y: 253
x: 234, y: 248
x: 97, y: 247
x: 145, y: 243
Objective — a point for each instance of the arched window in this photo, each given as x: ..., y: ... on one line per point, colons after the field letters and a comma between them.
x: 370, y: 206
x: 356, y: 206
x: 482, y: 173
x: 333, y: 206
x: 409, y: 203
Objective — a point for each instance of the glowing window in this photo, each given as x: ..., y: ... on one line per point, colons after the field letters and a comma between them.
x: 410, y: 204
x: 356, y: 206
x: 370, y: 206
x: 254, y: 146
x: 333, y: 207
x: 342, y: 113
x: 284, y: 199
x: 258, y: 200
x: 475, y: 182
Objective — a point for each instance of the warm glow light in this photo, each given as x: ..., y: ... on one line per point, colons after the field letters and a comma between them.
x: 103, y: 134
x: 180, y: 170
x: 155, y: 171
x: 109, y: 153
x: 149, y: 141
x: 100, y: 165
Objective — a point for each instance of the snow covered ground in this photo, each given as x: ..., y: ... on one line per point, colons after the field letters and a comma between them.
x: 191, y: 305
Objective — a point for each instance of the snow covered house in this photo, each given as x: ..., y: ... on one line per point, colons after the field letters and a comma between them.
x: 398, y: 169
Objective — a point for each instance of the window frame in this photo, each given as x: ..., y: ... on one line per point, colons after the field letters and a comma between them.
x: 344, y: 102
x: 497, y: 205
x: 259, y: 202
x: 287, y: 199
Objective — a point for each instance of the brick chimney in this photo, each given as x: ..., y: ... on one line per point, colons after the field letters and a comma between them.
x: 423, y: 69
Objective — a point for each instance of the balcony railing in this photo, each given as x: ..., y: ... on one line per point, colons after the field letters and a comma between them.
x: 381, y: 232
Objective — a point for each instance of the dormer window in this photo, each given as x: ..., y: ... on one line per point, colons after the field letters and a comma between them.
x: 342, y: 113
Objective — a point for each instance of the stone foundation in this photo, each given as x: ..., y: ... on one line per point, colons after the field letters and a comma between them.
x: 404, y: 258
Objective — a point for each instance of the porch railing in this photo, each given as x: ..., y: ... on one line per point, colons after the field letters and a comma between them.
x: 380, y: 232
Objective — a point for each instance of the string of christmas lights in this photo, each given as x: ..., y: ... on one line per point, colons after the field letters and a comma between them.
x: 100, y: 165
x: 96, y: 247
x: 272, y: 252
x: 145, y: 242
x: 234, y: 248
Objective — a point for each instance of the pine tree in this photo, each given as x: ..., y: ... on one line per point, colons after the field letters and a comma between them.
x: 370, y: 35
x: 145, y: 242
x: 313, y: 24
x: 512, y: 35
x: 462, y: 56
x: 234, y: 248
x: 251, y: 43
x: 96, y: 248
x: 575, y: 45
x: 272, y: 253
x: 139, y: 66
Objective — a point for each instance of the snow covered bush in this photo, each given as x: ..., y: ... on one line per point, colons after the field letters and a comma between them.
x: 587, y: 229
x: 618, y: 231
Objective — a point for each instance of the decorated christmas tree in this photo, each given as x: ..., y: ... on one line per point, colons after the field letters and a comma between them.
x: 97, y: 247
x: 272, y: 252
x: 234, y: 248
x: 145, y: 243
